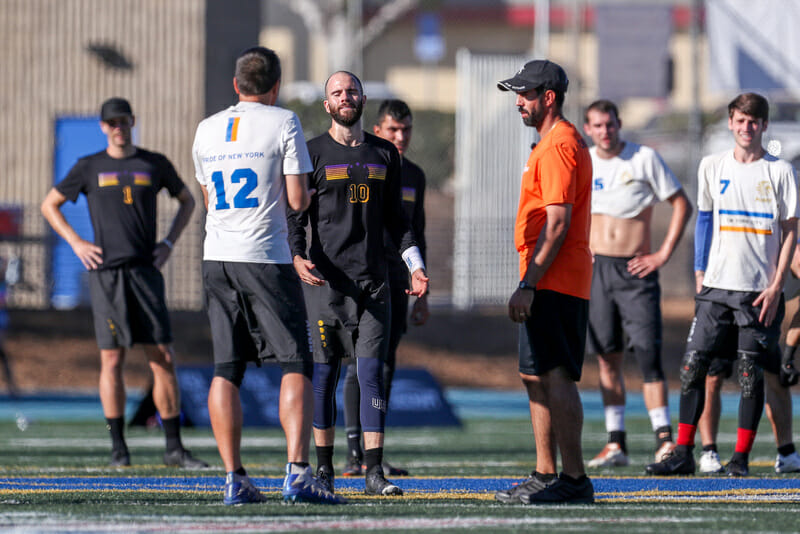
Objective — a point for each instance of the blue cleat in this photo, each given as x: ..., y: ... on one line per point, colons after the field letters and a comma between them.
x: 239, y: 490
x: 302, y: 487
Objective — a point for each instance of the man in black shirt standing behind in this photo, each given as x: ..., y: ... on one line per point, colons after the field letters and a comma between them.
x: 121, y: 184
x: 357, y: 178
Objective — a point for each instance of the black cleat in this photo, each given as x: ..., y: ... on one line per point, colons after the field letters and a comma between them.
x: 737, y: 468
x: 353, y: 467
x: 561, y: 491
x: 120, y: 458
x: 376, y: 483
x: 325, y: 477
x: 535, y: 482
x: 673, y: 464
x: 183, y: 458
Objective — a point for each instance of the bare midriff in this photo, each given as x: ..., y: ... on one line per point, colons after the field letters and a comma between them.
x: 612, y: 236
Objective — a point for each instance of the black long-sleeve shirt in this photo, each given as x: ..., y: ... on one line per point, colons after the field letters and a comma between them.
x: 413, y: 196
x: 357, y: 199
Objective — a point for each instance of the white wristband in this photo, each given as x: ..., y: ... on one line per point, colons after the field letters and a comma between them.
x: 413, y: 258
x: 167, y: 242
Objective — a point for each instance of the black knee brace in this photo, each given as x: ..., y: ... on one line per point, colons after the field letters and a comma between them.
x: 233, y: 372
x: 750, y: 373
x: 693, y: 370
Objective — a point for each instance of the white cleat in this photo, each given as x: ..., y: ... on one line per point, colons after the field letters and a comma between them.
x: 787, y: 464
x: 612, y: 455
x: 709, y: 463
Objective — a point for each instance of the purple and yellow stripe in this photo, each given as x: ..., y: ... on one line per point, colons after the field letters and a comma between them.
x: 105, y: 179
x: 336, y: 172
x: 376, y: 172
x: 409, y: 194
x: 141, y: 178
x: 233, y: 129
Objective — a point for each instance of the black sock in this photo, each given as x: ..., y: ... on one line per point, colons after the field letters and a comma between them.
x: 684, y: 450
x: 241, y: 472
x: 786, y: 450
x: 172, y: 430
x: 354, y: 445
x: 325, y: 456
x: 710, y: 447
x: 373, y: 457
x: 618, y: 436
x: 116, y: 426
x: 663, y: 434
x: 740, y: 457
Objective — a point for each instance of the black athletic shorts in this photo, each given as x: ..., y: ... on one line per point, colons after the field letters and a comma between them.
x: 256, y: 312
x: 129, y: 306
x: 726, y: 321
x: 554, y: 335
x: 623, y: 303
x: 349, y: 318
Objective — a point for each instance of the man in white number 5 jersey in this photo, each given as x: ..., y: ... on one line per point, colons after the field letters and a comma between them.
x: 251, y: 159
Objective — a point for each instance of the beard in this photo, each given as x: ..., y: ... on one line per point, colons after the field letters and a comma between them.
x: 534, y: 118
x: 348, y: 117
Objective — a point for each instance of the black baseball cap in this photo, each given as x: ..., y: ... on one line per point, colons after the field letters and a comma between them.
x: 115, y: 107
x: 536, y: 73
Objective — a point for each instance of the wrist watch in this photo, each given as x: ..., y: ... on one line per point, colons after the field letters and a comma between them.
x: 525, y: 285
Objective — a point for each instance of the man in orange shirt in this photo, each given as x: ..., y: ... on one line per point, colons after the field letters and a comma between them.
x: 552, y: 300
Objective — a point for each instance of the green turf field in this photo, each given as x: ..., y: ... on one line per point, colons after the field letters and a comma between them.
x: 53, y: 478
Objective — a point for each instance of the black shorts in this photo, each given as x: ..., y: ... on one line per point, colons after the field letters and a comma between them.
x: 256, y: 312
x: 129, y: 306
x: 625, y: 315
x: 554, y: 335
x: 726, y: 322
x: 351, y: 319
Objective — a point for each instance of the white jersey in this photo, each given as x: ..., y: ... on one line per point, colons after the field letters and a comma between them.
x: 749, y: 201
x: 630, y: 182
x: 240, y: 156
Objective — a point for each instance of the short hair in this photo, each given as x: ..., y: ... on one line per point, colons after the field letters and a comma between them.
x: 602, y: 106
x: 353, y: 76
x: 751, y: 104
x: 560, y: 96
x: 258, y: 69
x: 394, y: 108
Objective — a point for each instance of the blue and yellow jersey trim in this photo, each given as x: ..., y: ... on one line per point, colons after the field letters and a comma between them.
x: 142, y: 178
x: 232, y: 131
x: 107, y: 179
x: 746, y: 228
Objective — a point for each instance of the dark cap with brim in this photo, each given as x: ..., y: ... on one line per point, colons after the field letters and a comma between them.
x: 114, y: 108
x: 536, y: 73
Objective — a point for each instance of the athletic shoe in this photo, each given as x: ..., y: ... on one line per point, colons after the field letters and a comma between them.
x: 709, y: 463
x: 353, y: 468
x: 561, y: 491
x: 666, y: 448
x: 376, y: 483
x: 787, y: 464
x: 326, y: 477
x: 304, y: 487
x: 673, y: 464
x: 737, y: 468
x: 120, y: 458
x: 239, y: 490
x: 183, y: 458
x: 612, y: 455
x: 535, y: 482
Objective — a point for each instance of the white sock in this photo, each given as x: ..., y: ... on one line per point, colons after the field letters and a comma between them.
x: 659, y: 417
x: 615, y: 418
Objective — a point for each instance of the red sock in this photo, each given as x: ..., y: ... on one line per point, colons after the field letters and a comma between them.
x: 744, y: 440
x: 686, y: 434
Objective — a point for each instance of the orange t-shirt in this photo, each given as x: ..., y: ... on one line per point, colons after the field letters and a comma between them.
x: 559, y: 171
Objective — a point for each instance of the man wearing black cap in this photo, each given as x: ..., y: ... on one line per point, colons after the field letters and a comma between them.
x: 552, y: 300
x: 126, y: 286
